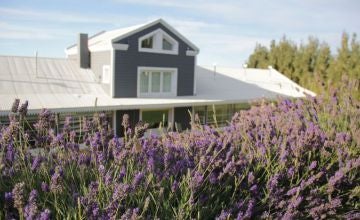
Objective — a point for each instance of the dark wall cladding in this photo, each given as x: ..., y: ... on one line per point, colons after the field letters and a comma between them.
x: 127, y: 62
x: 134, y: 118
x: 182, y: 118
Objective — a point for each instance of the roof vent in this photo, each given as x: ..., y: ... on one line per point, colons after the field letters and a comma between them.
x: 270, y: 68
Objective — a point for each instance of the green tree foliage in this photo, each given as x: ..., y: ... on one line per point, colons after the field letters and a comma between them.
x: 260, y: 57
x: 312, y: 64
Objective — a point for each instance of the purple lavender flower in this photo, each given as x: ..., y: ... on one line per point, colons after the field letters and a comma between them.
x: 273, y: 182
x: 230, y: 168
x: 295, y: 202
x: 130, y: 214
x: 224, y: 215
x: 125, y: 121
x: 9, y: 198
x: 213, y: 178
x: 45, y: 215
x: 353, y: 215
x: 250, y: 209
x: 335, y: 179
x: 45, y: 187
x: 84, y: 159
x: 174, y: 186
x: 196, y: 180
x: 313, y: 165
x: 108, y: 178
x: 18, y: 195
x: 122, y: 173
x: 56, y: 180
x: 137, y: 179
x: 93, y: 189
x: 31, y: 209
x: 251, y: 178
x: 36, y: 163
x: 15, y: 105
x: 24, y: 109
x: 120, y: 191
x: 67, y: 123
x: 10, y: 153
x: 101, y: 170
x: 254, y: 189
x: 290, y: 172
x: 293, y: 191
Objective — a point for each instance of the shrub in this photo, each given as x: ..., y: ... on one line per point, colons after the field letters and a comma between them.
x: 289, y: 159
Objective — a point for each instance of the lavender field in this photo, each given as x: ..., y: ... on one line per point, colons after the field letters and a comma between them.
x: 290, y: 159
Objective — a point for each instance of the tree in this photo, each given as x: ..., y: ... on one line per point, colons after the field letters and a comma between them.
x: 260, y: 57
x: 312, y: 64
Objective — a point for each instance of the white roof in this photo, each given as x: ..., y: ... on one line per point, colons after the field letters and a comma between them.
x: 60, y: 85
x: 104, y: 39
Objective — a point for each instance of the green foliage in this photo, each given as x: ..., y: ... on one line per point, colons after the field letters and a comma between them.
x: 312, y: 64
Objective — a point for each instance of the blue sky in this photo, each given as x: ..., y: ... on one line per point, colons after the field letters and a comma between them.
x: 225, y: 31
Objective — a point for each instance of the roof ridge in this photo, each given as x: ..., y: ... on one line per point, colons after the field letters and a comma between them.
x: 27, y: 56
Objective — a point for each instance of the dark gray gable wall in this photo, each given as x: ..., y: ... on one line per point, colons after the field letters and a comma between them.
x: 127, y: 62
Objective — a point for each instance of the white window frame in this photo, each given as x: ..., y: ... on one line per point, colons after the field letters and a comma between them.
x: 158, y: 35
x: 106, y: 79
x: 150, y: 94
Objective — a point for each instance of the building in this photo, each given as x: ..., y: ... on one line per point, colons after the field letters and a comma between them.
x: 148, y: 71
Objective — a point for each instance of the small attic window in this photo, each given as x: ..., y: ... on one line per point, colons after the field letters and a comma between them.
x: 147, y: 43
x: 158, y: 41
x: 166, y: 45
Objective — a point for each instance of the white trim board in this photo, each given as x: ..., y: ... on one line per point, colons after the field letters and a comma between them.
x: 161, y: 21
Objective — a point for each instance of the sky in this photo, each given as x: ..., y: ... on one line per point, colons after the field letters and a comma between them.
x: 225, y: 31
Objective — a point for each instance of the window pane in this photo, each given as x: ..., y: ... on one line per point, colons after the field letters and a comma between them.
x: 144, y: 82
x: 154, y: 117
x: 223, y: 114
x: 166, y: 45
x: 167, y: 82
x: 201, y: 111
x: 155, y: 82
x: 241, y: 106
x: 147, y: 43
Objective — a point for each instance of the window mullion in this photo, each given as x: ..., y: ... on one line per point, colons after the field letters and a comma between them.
x: 161, y: 82
x: 150, y: 80
x: 158, y: 42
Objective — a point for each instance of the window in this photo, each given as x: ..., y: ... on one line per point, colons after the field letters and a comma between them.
x: 105, y: 74
x: 155, y: 117
x: 166, y: 45
x: 157, y: 82
x: 166, y: 82
x: 158, y: 41
x: 144, y: 81
x: 223, y: 113
x: 147, y: 43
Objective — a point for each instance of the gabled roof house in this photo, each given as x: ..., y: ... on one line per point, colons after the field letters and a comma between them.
x: 148, y: 71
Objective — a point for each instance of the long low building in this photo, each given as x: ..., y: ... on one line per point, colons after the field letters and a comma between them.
x: 148, y: 71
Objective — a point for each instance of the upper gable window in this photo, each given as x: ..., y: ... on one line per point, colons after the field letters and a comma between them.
x: 158, y: 42
x: 166, y: 45
x: 147, y: 43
